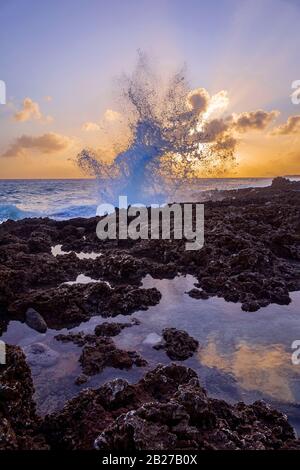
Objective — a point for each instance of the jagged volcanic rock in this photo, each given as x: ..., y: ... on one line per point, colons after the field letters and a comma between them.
x: 178, y: 344
x: 167, y: 409
x: 100, y: 351
x: 251, y: 255
x: 19, y: 423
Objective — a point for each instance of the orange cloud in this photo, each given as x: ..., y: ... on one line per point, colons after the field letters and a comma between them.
x: 30, y: 111
x: 292, y: 126
x: 254, y: 120
x: 226, y: 130
x: 46, y: 143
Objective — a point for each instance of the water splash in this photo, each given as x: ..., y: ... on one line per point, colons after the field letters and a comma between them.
x: 174, y: 136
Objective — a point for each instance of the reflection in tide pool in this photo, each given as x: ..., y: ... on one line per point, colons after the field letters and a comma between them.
x: 254, y: 348
x: 256, y: 367
x: 242, y: 355
x: 57, y: 251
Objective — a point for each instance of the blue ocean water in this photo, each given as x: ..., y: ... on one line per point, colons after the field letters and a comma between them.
x: 58, y: 199
x: 65, y: 199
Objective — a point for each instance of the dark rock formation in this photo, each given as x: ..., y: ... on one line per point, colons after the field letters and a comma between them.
x: 103, y: 353
x: 198, y: 294
x: 72, y: 304
x: 281, y: 183
x: 19, y: 424
x: 113, y: 329
x: 97, y: 409
x: 178, y: 344
x: 100, y: 351
x: 251, y: 255
x: 104, y: 329
x: 190, y: 420
x: 35, y: 320
x: 167, y: 410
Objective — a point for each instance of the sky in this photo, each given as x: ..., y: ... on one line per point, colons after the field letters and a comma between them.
x: 60, y: 61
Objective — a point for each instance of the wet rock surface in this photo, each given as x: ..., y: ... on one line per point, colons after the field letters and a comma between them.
x: 104, y: 329
x: 251, y: 255
x: 113, y: 329
x: 198, y: 294
x: 69, y: 305
x: 99, y: 350
x: 103, y: 353
x: 167, y: 409
x: 19, y: 423
x: 35, y: 321
x: 178, y: 344
x: 192, y: 421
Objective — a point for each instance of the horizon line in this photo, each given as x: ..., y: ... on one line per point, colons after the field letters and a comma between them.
x: 200, y: 178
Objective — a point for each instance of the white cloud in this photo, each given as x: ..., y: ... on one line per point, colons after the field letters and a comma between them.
x: 90, y: 126
x: 111, y: 115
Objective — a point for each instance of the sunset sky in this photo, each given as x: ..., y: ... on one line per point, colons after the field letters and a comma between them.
x: 60, y: 61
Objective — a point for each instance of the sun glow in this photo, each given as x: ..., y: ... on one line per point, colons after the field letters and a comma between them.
x: 217, y: 105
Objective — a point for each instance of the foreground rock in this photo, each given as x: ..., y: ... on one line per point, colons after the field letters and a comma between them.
x: 168, y: 410
x: 104, y: 329
x: 192, y: 421
x: 19, y: 423
x: 178, y: 344
x: 35, y: 321
x: 114, y: 329
x: 198, y: 294
x: 100, y: 351
x: 103, y: 353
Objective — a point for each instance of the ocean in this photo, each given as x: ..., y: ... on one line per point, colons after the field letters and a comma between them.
x: 68, y: 198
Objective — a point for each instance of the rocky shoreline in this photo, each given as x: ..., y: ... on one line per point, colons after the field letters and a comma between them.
x: 166, y: 410
x: 251, y: 255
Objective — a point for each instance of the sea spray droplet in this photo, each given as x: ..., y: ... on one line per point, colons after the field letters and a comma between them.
x: 173, y: 137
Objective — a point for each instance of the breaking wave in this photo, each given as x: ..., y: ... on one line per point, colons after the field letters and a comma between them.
x: 10, y: 211
x: 13, y: 212
x: 173, y: 135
